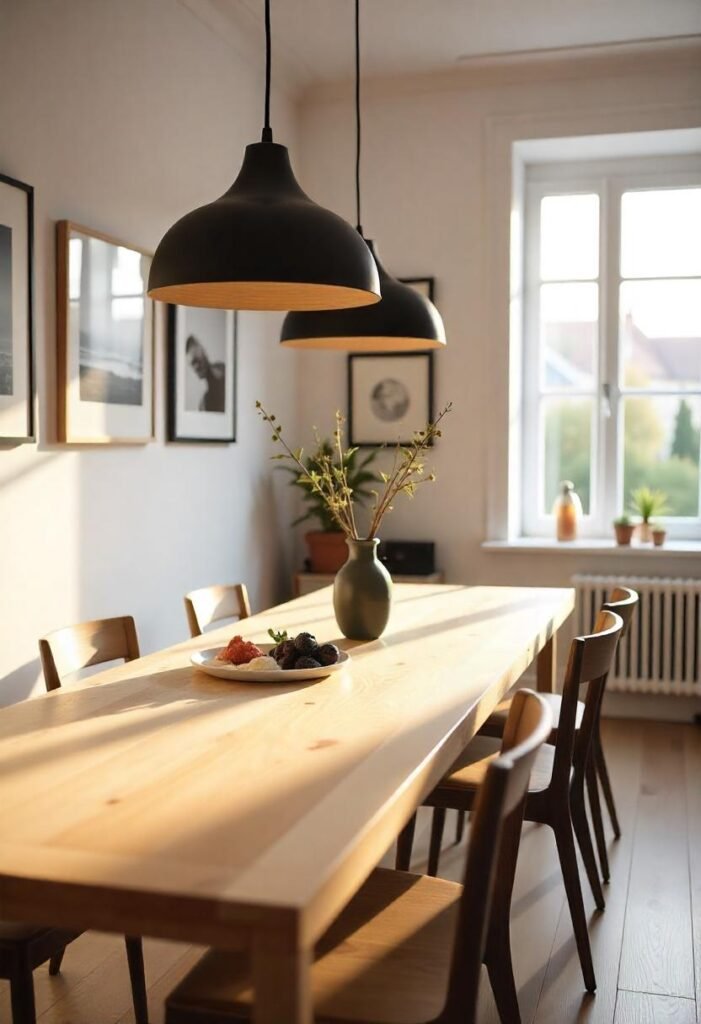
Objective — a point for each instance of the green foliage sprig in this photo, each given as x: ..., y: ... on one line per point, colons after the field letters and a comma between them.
x: 648, y: 503
x: 326, y: 472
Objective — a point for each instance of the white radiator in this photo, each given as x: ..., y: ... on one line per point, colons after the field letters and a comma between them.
x: 662, y: 651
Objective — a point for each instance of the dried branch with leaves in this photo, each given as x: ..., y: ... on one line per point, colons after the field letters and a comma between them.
x: 326, y: 472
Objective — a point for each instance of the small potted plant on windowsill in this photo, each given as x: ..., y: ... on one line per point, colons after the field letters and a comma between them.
x: 327, y: 544
x: 659, y: 534
x: 648, y: 503
x: 624, y: 527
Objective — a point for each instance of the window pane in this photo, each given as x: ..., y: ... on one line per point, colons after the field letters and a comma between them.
x: 660, y: 334
x: 568, y: 335
x: 569, y: 237
x: 661, y: 449
x: 567, y: 448
x: 660, y: 233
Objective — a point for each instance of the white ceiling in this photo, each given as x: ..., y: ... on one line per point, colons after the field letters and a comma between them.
x: 313, y: 39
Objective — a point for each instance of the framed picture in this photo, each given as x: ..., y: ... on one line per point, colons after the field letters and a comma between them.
x: 201, y: 374
x: 390, y: 396
x: 423, y: 285
x: 16, y: 311
x: 105, y: 339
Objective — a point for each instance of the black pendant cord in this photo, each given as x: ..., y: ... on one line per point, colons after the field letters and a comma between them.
x: 267, y: 133
x: 357, y: 117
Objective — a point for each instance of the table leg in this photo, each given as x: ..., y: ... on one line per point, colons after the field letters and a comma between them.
x: 546, y: 666
x: 281, y: 983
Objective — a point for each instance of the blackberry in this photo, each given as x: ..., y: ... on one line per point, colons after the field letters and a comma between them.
x: 305, y: 643
x: 289, y: 660
x: 328, y: 654
x: 284, y: 649
x: 307, y: 662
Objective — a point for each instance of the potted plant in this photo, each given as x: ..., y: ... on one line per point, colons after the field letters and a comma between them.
x: 648, y: 503
x: 624, y: 527
x: 327, y: 545
x: 659, y: 535
x: 362, y: 588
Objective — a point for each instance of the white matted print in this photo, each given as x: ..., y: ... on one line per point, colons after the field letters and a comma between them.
x: 105, y: 340
x: 201, y: 374
x: 16, y: 382
x: 390, y: 397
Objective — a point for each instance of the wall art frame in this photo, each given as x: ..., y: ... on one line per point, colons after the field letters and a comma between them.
x: 17, y: 385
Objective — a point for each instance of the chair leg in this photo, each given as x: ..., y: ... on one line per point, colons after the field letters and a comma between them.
x: 405, y: 842
x: 22, y: 997
x: 570, y: 874
x: 460, y: 827
x: 434, y: 850
x: 581, y: 830
x: 602, y: 772
x: 597, y: 819
x: 56, y: 961
x: 135, y: 958
x: 498, y: 949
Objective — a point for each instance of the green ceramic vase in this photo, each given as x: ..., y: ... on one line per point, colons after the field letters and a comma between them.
x: 362, y: 592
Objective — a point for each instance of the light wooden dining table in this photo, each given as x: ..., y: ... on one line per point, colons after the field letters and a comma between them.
x: 152, y: 799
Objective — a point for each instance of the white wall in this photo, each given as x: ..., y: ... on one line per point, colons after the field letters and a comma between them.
x: 123, y: 116
x: 436, y: 199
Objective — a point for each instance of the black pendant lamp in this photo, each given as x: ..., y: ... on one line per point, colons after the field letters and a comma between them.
x: 264, y: 244
x: 402, y: 321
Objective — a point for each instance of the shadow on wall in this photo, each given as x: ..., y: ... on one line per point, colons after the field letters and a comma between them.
x: 271, y: 539
x: 21, y: 683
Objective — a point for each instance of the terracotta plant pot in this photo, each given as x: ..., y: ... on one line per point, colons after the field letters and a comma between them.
x: 327, y: 550
x: 659, y: 537
x: 624, y: 533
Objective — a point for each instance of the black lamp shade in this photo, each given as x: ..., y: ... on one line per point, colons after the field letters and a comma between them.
x: 264, y: 245
x: 402, y: 321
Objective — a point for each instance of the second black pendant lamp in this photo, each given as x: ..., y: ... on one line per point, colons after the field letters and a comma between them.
x: 402, y: 321
x: 264, y: 244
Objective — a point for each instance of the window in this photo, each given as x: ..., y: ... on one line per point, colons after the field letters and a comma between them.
x: 612, y: 340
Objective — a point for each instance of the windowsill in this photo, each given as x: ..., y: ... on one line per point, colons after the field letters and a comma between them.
x: 594, y: 546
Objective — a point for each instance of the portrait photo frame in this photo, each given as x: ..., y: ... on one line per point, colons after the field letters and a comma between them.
x: 105, y: 339
x: 201, y: 399
x: 16, y: 312
x: 390, y: 396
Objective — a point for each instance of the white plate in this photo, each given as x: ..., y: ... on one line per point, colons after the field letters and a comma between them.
x: 209, y: 663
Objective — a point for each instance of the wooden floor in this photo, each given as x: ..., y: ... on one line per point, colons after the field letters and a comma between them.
x: 646, y: 945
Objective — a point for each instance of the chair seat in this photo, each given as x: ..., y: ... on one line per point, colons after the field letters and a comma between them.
x: 494, y: 726
x: 469, y: 770
x: 18, y: 931
x: 385, y: 960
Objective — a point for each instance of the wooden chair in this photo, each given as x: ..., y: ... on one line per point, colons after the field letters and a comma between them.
x: 24, y: 947
x: 210, y: 604
x: 406, y: 948
x: 623, y: 602
x: 556, y: 790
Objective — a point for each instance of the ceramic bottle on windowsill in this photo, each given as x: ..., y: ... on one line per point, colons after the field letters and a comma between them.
x: 567, y: 511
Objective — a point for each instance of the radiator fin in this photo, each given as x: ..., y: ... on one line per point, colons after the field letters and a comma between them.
x: 662, y: 651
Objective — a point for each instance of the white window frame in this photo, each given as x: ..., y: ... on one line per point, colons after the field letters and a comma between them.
x: 609, y: 180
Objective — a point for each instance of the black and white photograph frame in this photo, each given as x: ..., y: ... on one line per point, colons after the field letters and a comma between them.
x: 390, y: 396
x: 105, y: 328
x: 201, y: 377
x: 16, y: 312
x: 425, y: 286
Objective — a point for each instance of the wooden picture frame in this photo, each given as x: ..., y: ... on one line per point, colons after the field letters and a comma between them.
x: 201, y: 401
x: 105, y: 339
x: 390, y: 396
x: 16, y: 312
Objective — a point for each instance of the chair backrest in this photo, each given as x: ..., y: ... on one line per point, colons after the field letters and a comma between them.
x: 72, y: 648
x: 589, y: 662
x: 502, y: 793
x: 623, y: 601
x: 210, y: 604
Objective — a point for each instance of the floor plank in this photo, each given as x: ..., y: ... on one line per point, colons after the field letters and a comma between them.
x: 643, y: 1008
x: 692, y: 752
x: 564, y: 997
x: 656, y: 955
